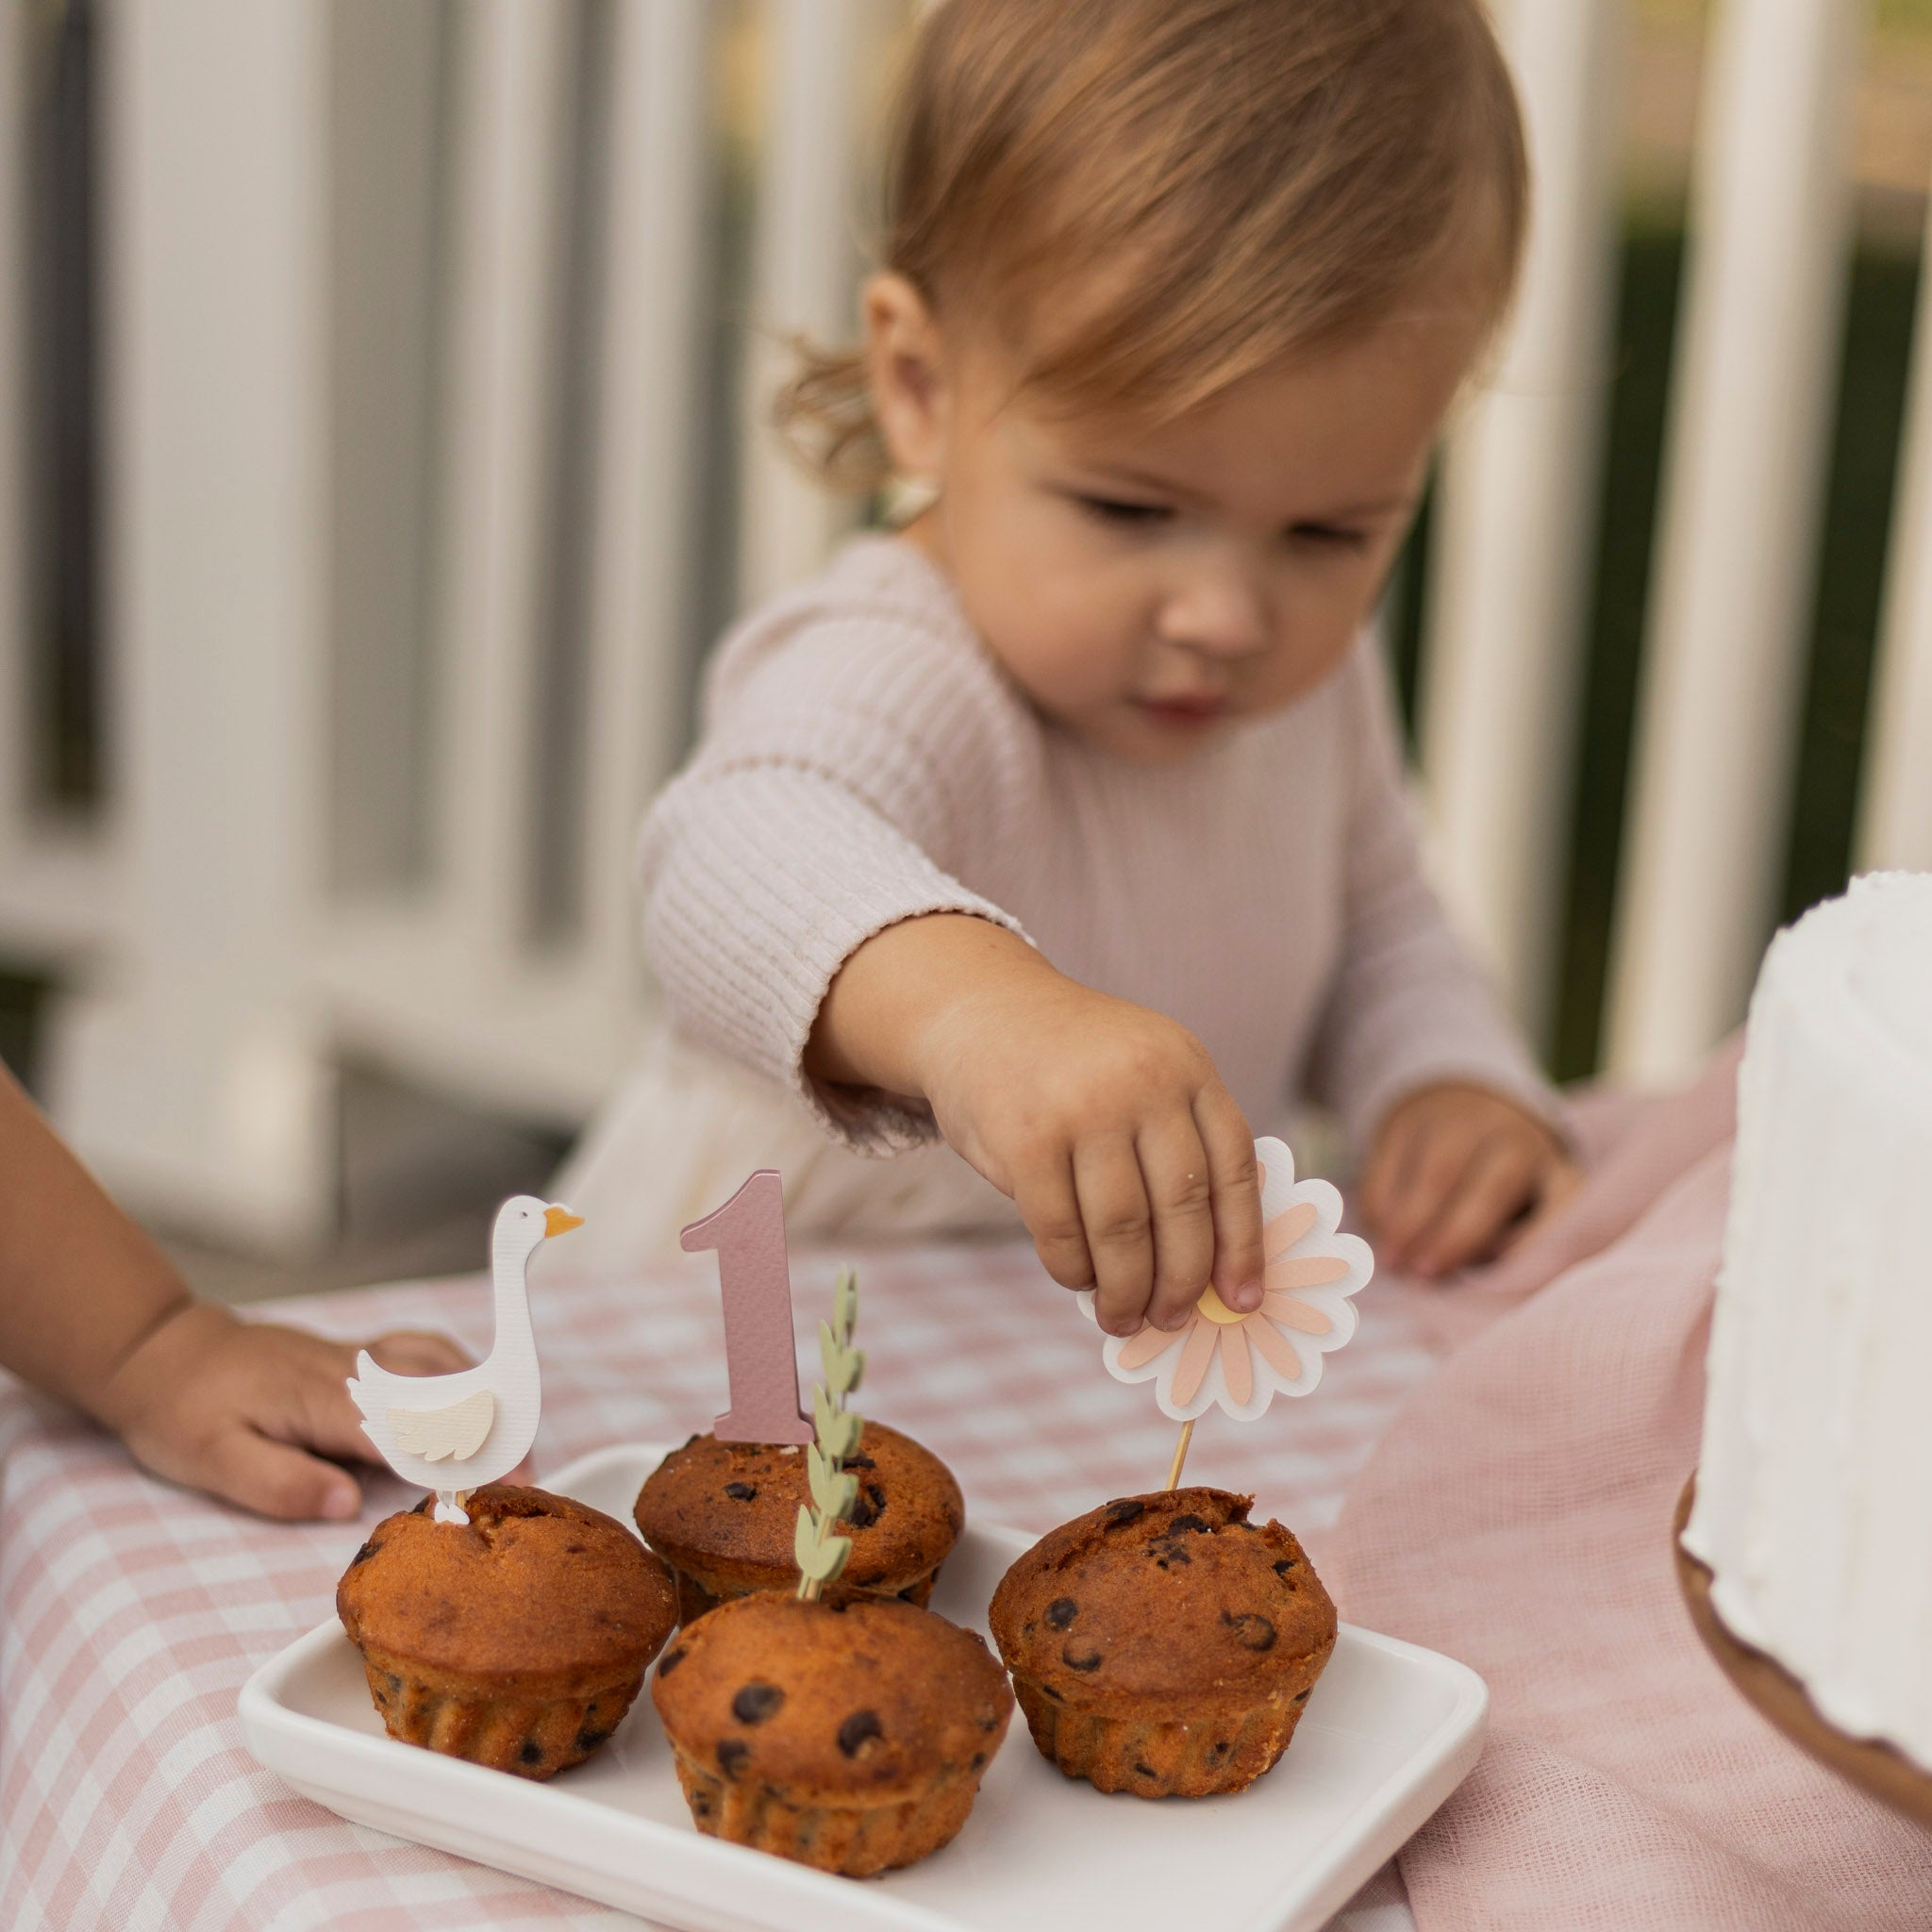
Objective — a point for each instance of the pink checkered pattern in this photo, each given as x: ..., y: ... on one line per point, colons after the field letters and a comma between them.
x: 130, y: 1613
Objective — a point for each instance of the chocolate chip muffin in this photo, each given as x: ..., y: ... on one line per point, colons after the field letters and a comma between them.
x: 850, y: 1734
x: 723, y: 1514
x: 516, y: 1641
x: 1164, y: 1644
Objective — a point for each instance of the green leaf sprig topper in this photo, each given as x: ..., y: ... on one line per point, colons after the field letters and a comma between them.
x: 821, y: 1553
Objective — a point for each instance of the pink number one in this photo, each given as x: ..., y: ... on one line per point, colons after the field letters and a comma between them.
x: 760, y: 1359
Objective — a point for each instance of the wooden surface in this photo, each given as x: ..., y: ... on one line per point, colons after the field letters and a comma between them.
x: 1874, y: 1767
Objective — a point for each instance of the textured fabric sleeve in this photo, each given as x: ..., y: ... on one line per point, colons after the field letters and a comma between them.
x: 1409, y: 1007
x: 826, y: 805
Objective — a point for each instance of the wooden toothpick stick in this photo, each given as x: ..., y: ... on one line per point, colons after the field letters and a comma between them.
x: 1180, y: 1454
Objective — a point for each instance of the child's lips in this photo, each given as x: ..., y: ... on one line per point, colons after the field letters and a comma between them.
x: 1183, y: 714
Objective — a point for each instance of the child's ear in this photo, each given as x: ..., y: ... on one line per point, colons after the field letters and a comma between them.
x: 906, y: 362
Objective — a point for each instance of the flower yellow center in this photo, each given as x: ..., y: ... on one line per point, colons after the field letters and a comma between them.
x: 1217, y: 1311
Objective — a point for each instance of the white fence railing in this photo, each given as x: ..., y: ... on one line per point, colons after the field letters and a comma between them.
x: 216, y: 956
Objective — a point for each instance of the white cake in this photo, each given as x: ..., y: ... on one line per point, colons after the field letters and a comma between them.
x: 1814, y: 1492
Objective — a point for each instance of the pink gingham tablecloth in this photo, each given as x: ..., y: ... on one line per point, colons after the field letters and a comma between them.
x: 131, y: 1613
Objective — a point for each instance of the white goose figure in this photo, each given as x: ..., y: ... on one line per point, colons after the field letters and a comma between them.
x: 455, y: 1433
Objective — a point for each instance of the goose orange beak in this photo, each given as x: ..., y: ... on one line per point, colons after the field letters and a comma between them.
x: 559, y: 1221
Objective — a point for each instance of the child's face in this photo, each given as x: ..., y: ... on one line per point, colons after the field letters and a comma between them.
x: 1150, y: 588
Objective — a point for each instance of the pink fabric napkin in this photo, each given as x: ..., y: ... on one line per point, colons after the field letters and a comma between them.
x: 1518, y: 1516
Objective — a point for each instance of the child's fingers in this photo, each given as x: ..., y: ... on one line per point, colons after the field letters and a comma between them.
x: 273, y: 1478
x: 1498, y: 1181
x: 1180, y: 1190
x: 1120, y: 1230
x: 1432, y: 1166
x: 1381, y: 1187
x: 1229, y: 1144
x: 1051, y: 1211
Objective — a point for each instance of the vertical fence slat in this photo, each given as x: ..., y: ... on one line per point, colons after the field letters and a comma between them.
x: 801, y: 276
x: 1743, y: 482
x: 195, y: 1075
x: 510, y: 100
x: 1895, y: 793
x: 1509, y: 592
x: 651, y: 342
x: 15, y: 762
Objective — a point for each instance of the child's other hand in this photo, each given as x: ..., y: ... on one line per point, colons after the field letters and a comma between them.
x: 1454, y: 1175
x: 248, y: 1411
x: 1131, y: 1164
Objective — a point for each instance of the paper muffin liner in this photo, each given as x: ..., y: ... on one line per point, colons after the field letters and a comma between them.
x: 1161, y: 1757
x: 854, y: 1841
x: 697, y: 1594
x: 532, y: 1737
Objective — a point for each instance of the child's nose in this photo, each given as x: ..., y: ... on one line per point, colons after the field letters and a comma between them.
x: 1222, y: 616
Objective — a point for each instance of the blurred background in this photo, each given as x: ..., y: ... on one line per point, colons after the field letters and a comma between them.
x: 382, y: 447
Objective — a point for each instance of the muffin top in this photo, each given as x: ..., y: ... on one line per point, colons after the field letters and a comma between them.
x: 534, y: 1591
x: 726, y: 1511
x: 852, y: 1699
x: 1174, y: 1595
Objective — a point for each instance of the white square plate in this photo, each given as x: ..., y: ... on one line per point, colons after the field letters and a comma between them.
x: 1389, y: 1733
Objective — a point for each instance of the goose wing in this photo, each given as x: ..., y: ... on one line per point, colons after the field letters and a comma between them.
x: 454, y: 1432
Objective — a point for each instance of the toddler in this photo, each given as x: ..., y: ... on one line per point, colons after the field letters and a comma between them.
x: 1066, y: 823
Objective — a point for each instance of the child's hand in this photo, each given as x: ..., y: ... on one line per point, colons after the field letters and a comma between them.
x: 248, y: 1411
x: 1453, y: 1175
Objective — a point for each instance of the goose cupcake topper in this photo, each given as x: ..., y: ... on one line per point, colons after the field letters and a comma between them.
x: 1242, y: 1362
x: 455, y: 1433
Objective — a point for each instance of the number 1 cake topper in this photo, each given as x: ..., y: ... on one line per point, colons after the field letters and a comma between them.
x: 755, y: 1280
x: 1244, y: 1362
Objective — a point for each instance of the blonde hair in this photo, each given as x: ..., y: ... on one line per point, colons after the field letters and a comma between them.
x: 1228, y: 182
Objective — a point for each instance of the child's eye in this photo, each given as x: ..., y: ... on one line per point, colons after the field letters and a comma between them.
x: 1328, y: 536
x: 1113, y: 510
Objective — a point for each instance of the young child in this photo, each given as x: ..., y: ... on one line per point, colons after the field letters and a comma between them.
x: 92, y: 1311
x: 1067, y: 824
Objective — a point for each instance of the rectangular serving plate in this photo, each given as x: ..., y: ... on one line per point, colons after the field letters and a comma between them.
x: 1389, y: 1733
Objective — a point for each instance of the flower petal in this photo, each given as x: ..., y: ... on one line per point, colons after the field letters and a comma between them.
x: 1236, y: 1364
x: 1195, y: 1356
x: 1287, y: 1228
x: 1305, y: 1271
x: 1294, y: 1314
x: 1276, y: 1351
x: 1137, y: 1351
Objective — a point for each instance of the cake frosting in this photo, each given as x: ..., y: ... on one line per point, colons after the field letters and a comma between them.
x: 1814, y: 1491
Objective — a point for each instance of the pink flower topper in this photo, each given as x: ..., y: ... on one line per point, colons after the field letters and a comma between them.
x: 1244, y: 1362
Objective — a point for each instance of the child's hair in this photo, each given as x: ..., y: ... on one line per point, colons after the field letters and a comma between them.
x: 1221, y: 184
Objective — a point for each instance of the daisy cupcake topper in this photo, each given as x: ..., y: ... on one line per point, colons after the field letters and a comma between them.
x: 1244, y: 1362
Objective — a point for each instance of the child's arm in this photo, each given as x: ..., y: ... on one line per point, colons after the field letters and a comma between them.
x: 92, y: 1311
x: 1130, y: 1162
x: 1459, y: 1132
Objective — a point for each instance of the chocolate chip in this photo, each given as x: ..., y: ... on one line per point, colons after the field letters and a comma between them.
x: 861, y: 1462
x: 1145, y: 1770
x: 1047, y: 1690
x: 859, y: 1729
x: 395, y: 1683
x: 1299, y: 1697
x: 1255, y: 1632
x: 732, y: 1751
x: 1125, y: 1510
x: 363, y: 1555
x: 1061, y: 1611
x: 701, y: 1804
x: 530, y: 1752
x: 1282, y: 1568
x: 740, y: 1492
x: 588, y: 1740
x: 989, y: 1719
x: 755, y: 1702
x: 978, y: 1761
x: 1220, y: 1749
x: 670, y: 1661
x: 866, y: 1507
x: 1080, y: 1660
x: 1198, y: 1525
x: 1170, y: 1553
x: 573, y: 1549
